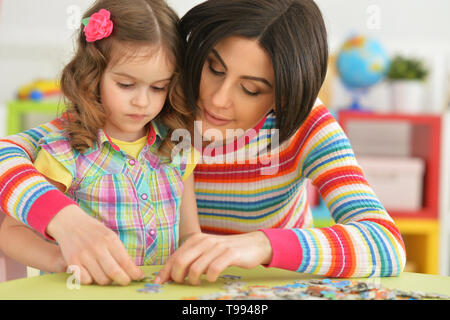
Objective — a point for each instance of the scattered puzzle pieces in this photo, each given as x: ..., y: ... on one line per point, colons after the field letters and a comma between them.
x: 151, y: 288
x: 316, y: 289
x: 230, y: 277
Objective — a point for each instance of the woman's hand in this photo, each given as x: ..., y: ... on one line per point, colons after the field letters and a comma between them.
x: 211, y: 254
x: 93, y: 247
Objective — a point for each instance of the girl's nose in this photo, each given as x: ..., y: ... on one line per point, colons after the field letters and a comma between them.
x: 141, y: 99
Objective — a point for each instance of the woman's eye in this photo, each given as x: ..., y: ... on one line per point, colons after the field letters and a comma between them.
x: 125, y: 85
x: 250, y: 93
x: 217, y: 73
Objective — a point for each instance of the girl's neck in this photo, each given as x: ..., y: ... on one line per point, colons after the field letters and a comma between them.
x: 125, y: 136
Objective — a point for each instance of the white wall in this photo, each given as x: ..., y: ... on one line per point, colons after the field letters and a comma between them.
x: 417, y: 28
x: 36, y: 38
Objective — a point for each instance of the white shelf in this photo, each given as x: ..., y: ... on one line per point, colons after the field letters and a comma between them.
x: 444, y: 205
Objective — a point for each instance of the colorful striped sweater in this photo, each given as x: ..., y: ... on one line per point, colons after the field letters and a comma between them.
x: 238, y: 197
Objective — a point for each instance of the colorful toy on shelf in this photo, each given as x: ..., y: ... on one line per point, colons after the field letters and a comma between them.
x: 39, y: 89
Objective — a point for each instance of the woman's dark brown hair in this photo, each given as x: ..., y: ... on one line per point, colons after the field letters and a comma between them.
x: 293, y: 34
x: 137, y: 24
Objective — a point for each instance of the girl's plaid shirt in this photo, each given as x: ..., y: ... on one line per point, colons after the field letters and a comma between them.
x: 139, y: 199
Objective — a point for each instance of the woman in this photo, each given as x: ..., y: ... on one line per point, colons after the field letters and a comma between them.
x: 252, y: 73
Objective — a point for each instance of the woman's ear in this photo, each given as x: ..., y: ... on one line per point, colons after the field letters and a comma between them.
x: 273, y: 107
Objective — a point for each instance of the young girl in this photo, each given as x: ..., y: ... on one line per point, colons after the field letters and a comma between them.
x: 113, y: 154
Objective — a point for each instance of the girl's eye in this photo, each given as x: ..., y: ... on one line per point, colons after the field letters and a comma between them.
x: 250, y: 93
x: 124, y: 85
x: 159, y: 88
x: 215, y: 72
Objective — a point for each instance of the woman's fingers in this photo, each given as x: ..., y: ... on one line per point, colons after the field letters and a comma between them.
x: 188, y: 253
x: 211, y: 255
x: 203, y: 262
x: 219, y: 264
x: 177, y: 266
x: 164, y: 273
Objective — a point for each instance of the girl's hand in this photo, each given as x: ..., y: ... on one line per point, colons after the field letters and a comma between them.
x: 58, y: 262
x: 211, y: 254
x: 93, y: 247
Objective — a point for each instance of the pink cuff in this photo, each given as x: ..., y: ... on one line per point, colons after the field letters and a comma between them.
x: 44, y: 208
x: 287, y: 252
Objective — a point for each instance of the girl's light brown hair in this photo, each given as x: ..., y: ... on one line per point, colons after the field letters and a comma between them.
x: 137, y: 24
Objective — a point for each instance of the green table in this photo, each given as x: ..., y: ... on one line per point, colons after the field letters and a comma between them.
x: 54, y: 286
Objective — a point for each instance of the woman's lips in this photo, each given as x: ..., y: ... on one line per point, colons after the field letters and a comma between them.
x: 215, y: 120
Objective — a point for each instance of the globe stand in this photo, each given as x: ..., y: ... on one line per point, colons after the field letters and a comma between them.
x: 355, y: 106
x: 356, y: 94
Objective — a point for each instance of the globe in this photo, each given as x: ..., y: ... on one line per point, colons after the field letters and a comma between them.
x: 361, y: 63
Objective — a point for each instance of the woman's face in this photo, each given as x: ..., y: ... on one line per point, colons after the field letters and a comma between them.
x: 236, y: 88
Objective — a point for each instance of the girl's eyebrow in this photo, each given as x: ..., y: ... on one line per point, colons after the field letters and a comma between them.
x: 123, y: 74
x: 217, y: 55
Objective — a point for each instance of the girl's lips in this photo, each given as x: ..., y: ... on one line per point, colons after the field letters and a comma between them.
x: 214, y: 120
x: 136, y: 117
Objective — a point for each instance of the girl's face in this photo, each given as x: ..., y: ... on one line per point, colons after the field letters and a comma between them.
x: 133, y: 92
x: 236, y: 87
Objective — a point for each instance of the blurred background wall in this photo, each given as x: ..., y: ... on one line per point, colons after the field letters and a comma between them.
x: 36, y: 40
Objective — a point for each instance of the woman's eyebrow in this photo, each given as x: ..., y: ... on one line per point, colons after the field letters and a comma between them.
x: 219, y: 58
x: 258, y: 79
x: 217, y: 55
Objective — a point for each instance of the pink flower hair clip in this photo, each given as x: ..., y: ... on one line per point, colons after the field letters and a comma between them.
x: 98, y: 26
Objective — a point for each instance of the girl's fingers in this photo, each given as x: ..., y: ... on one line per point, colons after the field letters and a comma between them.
x: 125, y: 265
x: 95, y: 270
x: 85, y: 277
x: 81, y: 274
x: 112, y: 268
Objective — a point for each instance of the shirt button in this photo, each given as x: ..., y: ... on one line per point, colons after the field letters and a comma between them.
x: 144, y: 196
x: 152, y: 232
x: 132, y: 162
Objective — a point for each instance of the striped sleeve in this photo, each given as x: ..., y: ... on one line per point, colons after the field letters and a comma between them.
x: 24, y: 193
x: 364, y: 242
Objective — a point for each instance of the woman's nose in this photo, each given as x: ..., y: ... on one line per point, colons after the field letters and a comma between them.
x: 222, y: 95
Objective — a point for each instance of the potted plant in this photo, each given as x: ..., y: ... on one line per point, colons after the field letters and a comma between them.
x: 407, y: 77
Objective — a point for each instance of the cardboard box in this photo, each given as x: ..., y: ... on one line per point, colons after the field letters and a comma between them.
x: 397, y: 181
